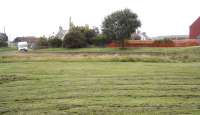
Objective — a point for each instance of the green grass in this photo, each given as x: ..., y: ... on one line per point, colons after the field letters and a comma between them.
x: 188, y: 54
x: 99, y: 88
x: 4, y: 49
x: 127, y: 50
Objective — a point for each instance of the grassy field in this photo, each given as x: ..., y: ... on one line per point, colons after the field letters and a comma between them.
x: 106, y: 82
x: 104, y: 88
x: 127, y: 50
x: 6, y: 49
x: 172, y: 55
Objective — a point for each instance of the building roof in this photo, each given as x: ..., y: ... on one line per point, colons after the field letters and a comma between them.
x: 61, y: 33
x: 29, y: 39
x: 197, y: 21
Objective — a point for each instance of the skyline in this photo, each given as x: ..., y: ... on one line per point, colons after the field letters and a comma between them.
x: 43, y: 17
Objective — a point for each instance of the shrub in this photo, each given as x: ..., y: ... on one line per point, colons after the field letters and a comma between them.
x: 42, y: 42
x: 101, y: 40
x: 54, y: 42
x: 74, y: 39
x: 88, y: 34
x: 3, y: 40
x: 3, y: 44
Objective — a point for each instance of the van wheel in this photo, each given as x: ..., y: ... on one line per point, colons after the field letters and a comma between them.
x: 23, y: 50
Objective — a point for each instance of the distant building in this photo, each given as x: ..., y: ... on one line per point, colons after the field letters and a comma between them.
x: 172, y: 37
x: 139, y: 36
x: 195, y: 29
x: 61, y: 33
x: 31, y: 40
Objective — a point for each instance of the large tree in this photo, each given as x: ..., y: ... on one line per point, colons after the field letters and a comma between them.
x: 3, y: 40
x: 120, y: 24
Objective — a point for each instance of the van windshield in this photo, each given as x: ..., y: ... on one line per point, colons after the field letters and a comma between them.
x: 23, y: 45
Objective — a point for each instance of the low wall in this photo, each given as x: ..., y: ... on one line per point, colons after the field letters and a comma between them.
x: 152, y: 43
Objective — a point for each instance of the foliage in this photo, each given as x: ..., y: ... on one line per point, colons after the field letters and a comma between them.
x: 54, y: 42
x: 3, y: 44
x: 42, y: 42
x: 74, y: 39
x: 3, y: 40
x: 3, y: 37
x: 88, y: 34
x: 120, y: 24
x: 101, y: 40
x: 84, y: 37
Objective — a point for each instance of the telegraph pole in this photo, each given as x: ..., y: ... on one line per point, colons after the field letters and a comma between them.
x: 4, y: 29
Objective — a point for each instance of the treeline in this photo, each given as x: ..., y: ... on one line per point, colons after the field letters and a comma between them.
x: 117, y: 26
x: 76, y: 37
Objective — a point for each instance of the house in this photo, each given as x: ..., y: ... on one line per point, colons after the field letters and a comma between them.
x: 139, y: 36
x: 61, y: 33
x: 195, y: 29
x: 31, y: 40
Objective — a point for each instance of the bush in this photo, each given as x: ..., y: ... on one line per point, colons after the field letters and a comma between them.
x: 101, y: 40
x: 3, y: 40
x: 74, y: 39
x: 42, y: 42
x: 88, y: 34
x: 54, y: 42
x: 3, y: 44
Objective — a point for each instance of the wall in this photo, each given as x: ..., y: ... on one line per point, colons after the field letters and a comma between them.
x: 195, y: 29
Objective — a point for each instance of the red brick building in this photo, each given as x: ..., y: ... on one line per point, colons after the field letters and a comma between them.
x: 195, y: 29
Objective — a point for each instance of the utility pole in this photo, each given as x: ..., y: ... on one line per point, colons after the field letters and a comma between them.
x: 70, y: 23
x: 4, y: 29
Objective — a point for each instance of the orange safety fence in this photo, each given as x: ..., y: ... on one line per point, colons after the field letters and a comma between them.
x: 152, y: 43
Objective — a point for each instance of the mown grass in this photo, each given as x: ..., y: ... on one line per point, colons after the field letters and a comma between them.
x: 6, y: 49
x: 190, y: 54
x: 101, y: 82
x: 99, y: 88
x: 126, y: 50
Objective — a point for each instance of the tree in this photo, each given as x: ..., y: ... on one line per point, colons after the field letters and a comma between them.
x: 88, y: 34
x: 120, y: 24
x: 42, y: 42
x: 54, y: 42
x: 74, y: 39
x: 3, y: 40
x: 101, y: 40
x: 3, y: 37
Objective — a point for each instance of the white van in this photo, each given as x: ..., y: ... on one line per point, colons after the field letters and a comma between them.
x: 22, y: 46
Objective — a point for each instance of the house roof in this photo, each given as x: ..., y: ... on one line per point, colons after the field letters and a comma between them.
x: 29, y: 39
x: 197, y: 21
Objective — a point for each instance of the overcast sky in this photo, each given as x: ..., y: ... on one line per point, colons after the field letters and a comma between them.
x: 43, y: 17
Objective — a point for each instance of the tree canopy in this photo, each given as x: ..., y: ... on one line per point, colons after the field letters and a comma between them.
x: 3, y: 37
x: 120, y: 24
x: 3, y: 40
